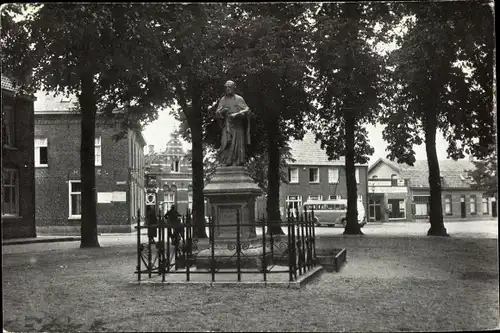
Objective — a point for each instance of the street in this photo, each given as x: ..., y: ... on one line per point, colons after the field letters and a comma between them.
x: 469, y: 229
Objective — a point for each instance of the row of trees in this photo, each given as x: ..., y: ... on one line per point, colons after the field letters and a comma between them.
x: 299, y: 66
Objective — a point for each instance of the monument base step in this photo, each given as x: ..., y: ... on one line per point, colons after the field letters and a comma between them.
x: 228, y: 258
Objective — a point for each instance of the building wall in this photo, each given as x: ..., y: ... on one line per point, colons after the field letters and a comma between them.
x: 182, y: 181
x: 52, y: 182
x: 456, y: 204
x: 137, y: 180
x: 324, y: 188
x: 21, y: 158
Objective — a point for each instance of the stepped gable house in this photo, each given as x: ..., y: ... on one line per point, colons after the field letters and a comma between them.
x: 171, y: 171
x: 119, y: 170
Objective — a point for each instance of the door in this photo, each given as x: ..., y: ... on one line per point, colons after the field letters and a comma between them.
x: 462, y: 206
x: 374, y: 207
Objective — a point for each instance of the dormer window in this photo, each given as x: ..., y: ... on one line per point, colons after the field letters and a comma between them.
x: 394, y: 180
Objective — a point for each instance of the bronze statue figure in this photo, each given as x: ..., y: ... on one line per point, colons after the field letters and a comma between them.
x: 234, y: 118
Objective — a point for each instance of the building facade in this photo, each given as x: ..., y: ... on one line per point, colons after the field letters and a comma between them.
x: 313, y: 177
x: 119, y: 171
x: 171, y: 170
x: 399, y: 192
x: 18, y: 174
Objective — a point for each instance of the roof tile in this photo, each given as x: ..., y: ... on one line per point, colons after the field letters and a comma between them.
x: 308, y: 152
x: 8, y: 84
x: 454, y: 173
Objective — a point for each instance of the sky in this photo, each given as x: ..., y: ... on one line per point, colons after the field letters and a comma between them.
x: 158, y: 134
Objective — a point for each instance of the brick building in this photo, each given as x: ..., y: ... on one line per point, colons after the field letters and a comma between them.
x: 171, y: 168
x: 119, y: 170
x: 313, y: 177
x: 18, y: 174
x: 401, y: 192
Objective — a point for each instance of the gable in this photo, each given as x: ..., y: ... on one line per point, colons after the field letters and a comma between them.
x: 382, y: 170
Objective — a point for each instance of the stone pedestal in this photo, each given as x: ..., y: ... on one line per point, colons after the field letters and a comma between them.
x: 232, y: 192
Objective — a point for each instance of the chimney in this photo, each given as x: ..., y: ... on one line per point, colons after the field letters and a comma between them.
x: 151, y: 149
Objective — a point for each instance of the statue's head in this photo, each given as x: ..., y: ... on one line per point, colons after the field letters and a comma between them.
x: 229, y: 87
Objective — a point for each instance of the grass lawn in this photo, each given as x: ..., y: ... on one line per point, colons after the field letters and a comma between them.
x: 388, y: 284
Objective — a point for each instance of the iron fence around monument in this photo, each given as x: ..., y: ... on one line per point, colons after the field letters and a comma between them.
x: 172, y: 249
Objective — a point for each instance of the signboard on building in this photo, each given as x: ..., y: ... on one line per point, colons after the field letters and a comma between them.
x: 119, y: 196
x: 104, y: 197
x: 383, y: 189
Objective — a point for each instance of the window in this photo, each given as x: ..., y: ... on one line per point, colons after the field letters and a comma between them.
x: 315, y: 197
x: 421, y: 209
x: 333, y: 175
x: 293, y: 204
x: 357, y: 175
x: 394, y: 180
x: 10, y: 192
x: 175, y: 166
x: 313, y: 175
x: 447, y: 205
x: 75, y: 199
x: 169, y: 201
x: 396, y: 208
x: 190, y: 201
x: 335, y: 197
x: 421, y: 205
x: 485, y: 204
x: 293, y: 175
x: 472, y: 204
x: 41, y: 152
x: 8, y: 126
x: 98, y: 156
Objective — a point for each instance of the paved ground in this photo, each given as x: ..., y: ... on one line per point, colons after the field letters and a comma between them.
x: 390, y: 283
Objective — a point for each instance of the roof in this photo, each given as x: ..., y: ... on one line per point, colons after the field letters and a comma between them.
x: 174, y: 146
x: 8, y: 84
x: 10, y: 87
x: 393, y: 165
x: 48, y: 103
x: 308, y: 152
x: 454, y: 173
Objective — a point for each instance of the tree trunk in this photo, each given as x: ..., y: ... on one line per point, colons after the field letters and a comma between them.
x: 436, y: 209
x: 197, y: 166
x: 88, y: 106
x: 352, y: 226
x: 273, y: 179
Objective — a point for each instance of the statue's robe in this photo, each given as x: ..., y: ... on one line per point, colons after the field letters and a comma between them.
x: 235, y: 130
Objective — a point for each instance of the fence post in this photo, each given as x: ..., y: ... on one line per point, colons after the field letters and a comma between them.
x: 264, y: 260
x: 290, y: 265
x: 294, y: 249
x: 138, y: 250
x: 238, y: 245
x: 307, y: 240
x: 186, y: 251
x: 212, y: 238
x: 314, y: 236
x: 161, y: 241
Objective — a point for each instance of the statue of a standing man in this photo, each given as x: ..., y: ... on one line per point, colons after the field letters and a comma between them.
x: 234, y: 118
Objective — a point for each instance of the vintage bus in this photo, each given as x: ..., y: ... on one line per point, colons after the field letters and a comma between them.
x: 333, y: 212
